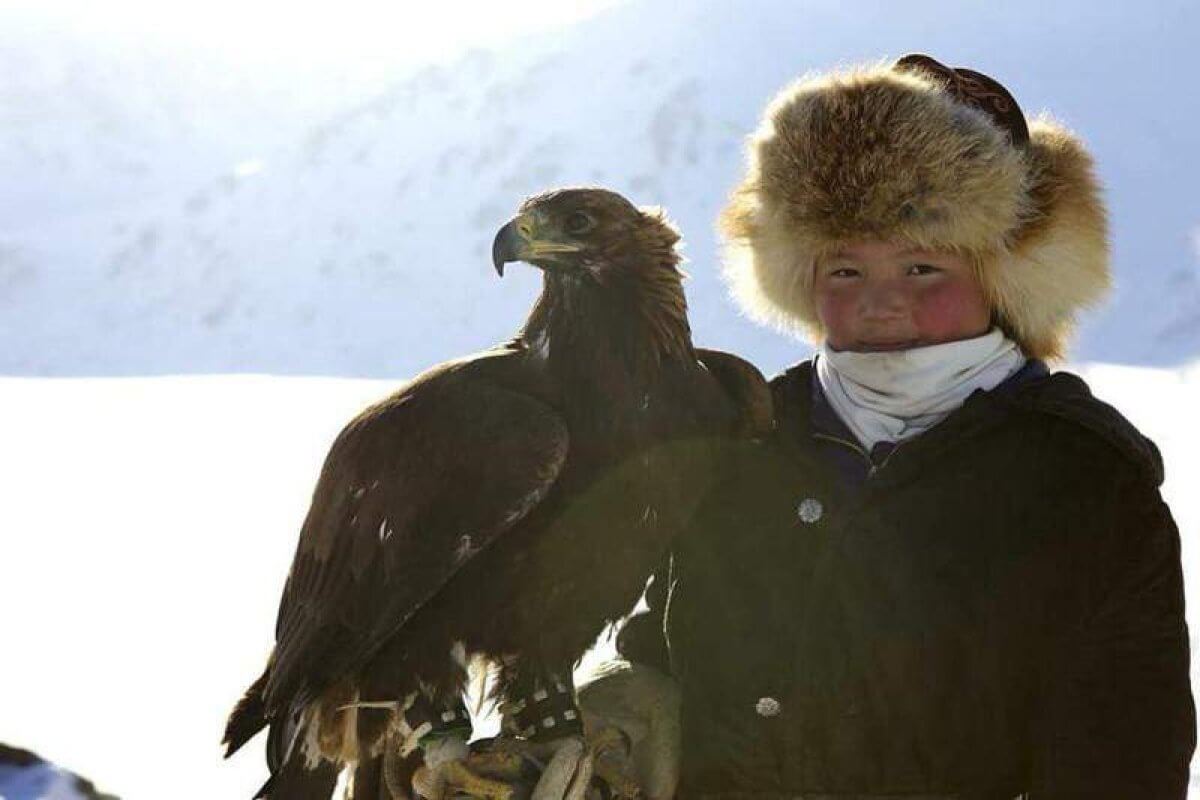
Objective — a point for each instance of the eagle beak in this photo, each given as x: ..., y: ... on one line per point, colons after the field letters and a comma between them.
x: 518, y: 241
x: 508, y: 245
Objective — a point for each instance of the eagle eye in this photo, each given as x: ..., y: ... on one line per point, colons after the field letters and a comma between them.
x: 579, y: 222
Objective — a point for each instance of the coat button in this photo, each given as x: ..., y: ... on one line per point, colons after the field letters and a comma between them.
x: 767, y: 707
x: 810, y: 510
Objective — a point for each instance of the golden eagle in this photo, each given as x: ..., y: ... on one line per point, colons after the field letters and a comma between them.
x: 506, y: 505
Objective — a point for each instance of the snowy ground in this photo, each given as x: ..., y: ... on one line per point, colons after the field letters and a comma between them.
x: 149, y: 524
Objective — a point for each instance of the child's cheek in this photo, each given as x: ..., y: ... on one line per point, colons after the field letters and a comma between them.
x: 950, y: 311
x: 834, y: 309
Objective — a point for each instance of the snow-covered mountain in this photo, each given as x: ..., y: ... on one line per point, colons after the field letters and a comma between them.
x: 166, y: 214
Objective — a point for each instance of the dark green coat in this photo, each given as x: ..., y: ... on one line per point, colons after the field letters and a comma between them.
x: 998, y: 610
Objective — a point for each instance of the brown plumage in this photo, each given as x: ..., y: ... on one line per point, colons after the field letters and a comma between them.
x: 513, y: 501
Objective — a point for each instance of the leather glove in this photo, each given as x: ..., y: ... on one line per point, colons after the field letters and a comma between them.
x: 643, y: 704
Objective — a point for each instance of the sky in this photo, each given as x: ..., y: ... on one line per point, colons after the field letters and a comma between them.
x: 348, y: 35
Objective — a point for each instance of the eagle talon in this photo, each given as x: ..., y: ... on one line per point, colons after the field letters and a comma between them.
x: 453, y: 778
x: 499, y: 764
x: 611, y: 750
x: 568, y: 773
x: 558, y: 769
x: 620, y: 786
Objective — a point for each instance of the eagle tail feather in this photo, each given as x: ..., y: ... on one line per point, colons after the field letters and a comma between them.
x: 249, y: 716
x: 296, y: 782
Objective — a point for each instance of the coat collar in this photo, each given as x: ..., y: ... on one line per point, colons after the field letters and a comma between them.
x: 803, y: 415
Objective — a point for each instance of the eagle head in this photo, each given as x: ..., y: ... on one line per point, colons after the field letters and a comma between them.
x: 589, y: 234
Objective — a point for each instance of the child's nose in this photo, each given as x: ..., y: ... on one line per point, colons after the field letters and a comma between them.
x: 883, y: 299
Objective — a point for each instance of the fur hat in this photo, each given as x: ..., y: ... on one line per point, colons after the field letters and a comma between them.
x: 920, y: 153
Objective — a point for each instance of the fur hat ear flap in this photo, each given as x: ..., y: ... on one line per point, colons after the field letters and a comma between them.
x: 1058, y: 263
x: 891, y: 154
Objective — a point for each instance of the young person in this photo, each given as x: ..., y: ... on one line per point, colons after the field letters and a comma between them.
x: 950, y: 572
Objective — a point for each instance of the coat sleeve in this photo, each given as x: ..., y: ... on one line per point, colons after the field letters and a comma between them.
x: 1118, y: 719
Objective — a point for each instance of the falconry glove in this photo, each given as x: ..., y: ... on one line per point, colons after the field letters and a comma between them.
x: 642, y: 705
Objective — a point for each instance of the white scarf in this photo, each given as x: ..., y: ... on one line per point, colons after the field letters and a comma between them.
x: 892, y: 396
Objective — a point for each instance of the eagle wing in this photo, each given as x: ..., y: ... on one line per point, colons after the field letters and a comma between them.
x: 411, y: 489
x: 745, y: 387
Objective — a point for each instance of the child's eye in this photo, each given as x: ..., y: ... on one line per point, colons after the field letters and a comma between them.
x: 843, y: 272
x: 923, y: 269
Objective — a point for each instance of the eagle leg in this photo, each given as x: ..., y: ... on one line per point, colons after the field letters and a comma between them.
x: 439, y: 729
x: 540, y: 709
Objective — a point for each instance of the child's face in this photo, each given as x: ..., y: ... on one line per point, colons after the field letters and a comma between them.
x: 874, y: 296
